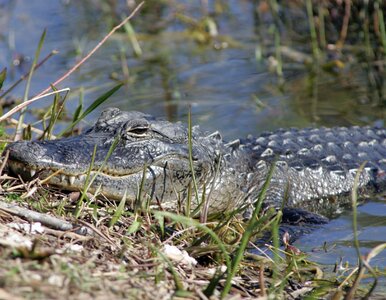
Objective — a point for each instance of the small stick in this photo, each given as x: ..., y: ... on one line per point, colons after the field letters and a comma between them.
x: 29, y: 215
x: 67, y: 234
x: 5, y: 159
x: 98, y: 232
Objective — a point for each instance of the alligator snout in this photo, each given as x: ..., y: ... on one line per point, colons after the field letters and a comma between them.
x: 26, y: 152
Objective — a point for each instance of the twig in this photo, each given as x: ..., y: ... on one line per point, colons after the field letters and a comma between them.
x: 67, y: 234
x: 98, y: 232
x: 74, y: 68
x: 6, y: 177
x: 31, y: 215
x: 26, y: 103
x: 5, y: 159
x: 263, y: 292
x: 346, y: 19
x: 15, y: 187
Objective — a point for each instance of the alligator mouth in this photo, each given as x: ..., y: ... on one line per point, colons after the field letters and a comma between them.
x: 72, y: 180
x: 69, y: 182
x: 31, y: 172
x: 28, y: 172
x: 109, y: 185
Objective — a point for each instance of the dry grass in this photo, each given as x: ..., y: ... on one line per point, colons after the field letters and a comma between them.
x: 127, y: 260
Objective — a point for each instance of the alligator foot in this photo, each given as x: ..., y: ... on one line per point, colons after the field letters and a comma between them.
x: 298, y: 216
x: 297, y: 222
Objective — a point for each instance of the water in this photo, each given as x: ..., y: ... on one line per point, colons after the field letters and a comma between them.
x: 227, y: 89
x: 371, y: 232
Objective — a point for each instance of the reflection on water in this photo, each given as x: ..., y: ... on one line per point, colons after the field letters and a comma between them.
x: 218, y: 76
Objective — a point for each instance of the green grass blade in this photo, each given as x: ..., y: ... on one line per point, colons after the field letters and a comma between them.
x: 89, y: 180
x: 381, y: 23
x: 92, y: 107
x: 78, y: 208
x: 3, y: 75
x: 78, y: 110
x: 53, y: 118
x: 209, y: 291
x: 191, y: 166
x: 100, y: 100
x: 311, y: 24
x: 138, y: 204
x: 56, y: 109
x: 252, y: 224
x: 276, y: 248
x: 354, y: 197
x: 133, y: 39
x: 27, y: 88
x: 134, y: 227
x: 118, y: 212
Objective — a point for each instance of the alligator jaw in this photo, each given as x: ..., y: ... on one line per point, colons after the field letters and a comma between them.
x: 112, y: 186
x: 29, y: 172
x: 131, y: 154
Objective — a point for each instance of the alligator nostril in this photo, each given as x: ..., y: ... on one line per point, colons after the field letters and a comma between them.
x: 109, y: 113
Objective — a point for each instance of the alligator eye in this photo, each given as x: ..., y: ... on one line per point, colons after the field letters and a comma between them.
x: 138, y: 131
x: 136, y: 128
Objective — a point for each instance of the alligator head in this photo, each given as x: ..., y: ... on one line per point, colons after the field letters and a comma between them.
x: 132, y: 154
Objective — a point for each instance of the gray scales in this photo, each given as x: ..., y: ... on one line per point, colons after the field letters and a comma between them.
x: 314, y: 168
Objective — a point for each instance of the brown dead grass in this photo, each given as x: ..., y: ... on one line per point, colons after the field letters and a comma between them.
x: 107, y: 262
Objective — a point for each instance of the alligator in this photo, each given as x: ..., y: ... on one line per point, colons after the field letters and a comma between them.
x: 142, y: 158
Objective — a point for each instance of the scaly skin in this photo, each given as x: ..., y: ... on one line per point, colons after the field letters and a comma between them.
x: 314, y: 168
